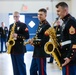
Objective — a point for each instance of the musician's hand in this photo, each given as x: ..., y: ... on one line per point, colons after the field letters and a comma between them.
x: 30, y: 41
x: 67, y: 60
x: 7, y: 43
x: 14, y: 36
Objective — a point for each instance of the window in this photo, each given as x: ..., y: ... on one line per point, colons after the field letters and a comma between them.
x: 11, y: 20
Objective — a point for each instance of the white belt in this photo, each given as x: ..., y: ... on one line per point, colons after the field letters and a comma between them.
x: 65, y: 42
x: 58, y: 34
x: 38, y: 39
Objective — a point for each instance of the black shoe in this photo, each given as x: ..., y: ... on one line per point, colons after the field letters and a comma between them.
x: 4, y: 51
x: 0, y: 52
x: 50, y: 62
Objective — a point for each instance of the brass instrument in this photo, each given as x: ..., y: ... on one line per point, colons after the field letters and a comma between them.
x: 35, y: 38
x: 11, y: 41
x: 26, y: 42
x: 51, y: 47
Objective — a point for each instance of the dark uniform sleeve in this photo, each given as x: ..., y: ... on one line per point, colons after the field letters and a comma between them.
x: 25, y: 32
x: 42, y: 38
x: 72, y: 36
x: 45, y: 38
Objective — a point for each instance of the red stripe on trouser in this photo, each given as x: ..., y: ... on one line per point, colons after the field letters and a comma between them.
x: 42, y: 66
x: 67, y: 70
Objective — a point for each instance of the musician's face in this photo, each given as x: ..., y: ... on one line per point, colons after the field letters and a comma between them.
x: 61, y: 12
x: 41, y: 16
x: 2, y: 24
x: 16, y: 16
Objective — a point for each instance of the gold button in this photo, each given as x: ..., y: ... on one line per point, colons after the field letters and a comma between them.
x: 20, y: 42
x: 23, y: 39
x: 58, y: 29
x: 73, y: 50
x: 61, y: 40
x: 71, y: 53
x: 38, y: 42
x: 66, y: 49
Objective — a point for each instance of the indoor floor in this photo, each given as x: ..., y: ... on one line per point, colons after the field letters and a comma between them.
x: 6, y: 65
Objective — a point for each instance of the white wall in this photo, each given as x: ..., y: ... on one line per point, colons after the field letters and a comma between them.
x: 9, y: 6
x: 4, y: 18
x: 33, y: 6
x: 73, y: 8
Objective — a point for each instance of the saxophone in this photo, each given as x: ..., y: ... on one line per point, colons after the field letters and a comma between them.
x: 11, y: 41
x: 33, y: 39
x: 25, y: 43
x: 51, y: 47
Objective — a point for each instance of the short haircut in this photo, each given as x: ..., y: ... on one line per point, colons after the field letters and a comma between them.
x: 42, y: 10
x: 16, y: 12
x: 62, y: 4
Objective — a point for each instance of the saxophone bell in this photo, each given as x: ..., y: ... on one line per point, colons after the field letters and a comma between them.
x: 49, y: 47
x: 11, y: 42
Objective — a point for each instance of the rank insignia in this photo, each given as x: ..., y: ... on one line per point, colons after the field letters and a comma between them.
x: 72, y: 30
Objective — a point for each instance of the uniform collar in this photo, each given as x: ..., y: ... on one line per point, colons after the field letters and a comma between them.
x: 66, y: 17
x: 17, y: 22
x: 42, y: 22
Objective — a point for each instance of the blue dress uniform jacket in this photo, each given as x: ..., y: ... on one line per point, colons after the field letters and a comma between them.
x: 68, y: 39
x: 39, y: 44
x: 68, y: 44
x: 3, y: 32
x: 22, y: 31
x: 18, y: 50
x: 38, y: 64
x: 3, y: 37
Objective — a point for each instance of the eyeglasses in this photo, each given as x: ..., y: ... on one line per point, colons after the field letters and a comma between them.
x: 16, y: 16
